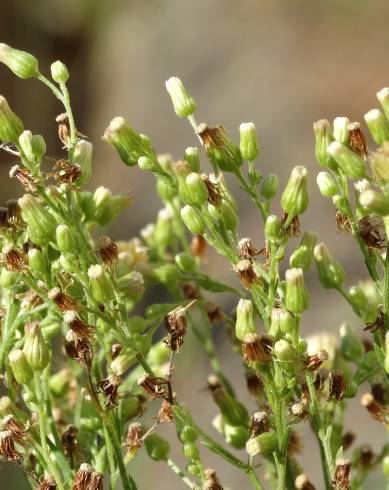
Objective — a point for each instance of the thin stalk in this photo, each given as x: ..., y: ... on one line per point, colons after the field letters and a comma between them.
x: 178, y: 471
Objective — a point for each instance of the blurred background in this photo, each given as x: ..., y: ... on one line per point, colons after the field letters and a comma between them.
x: 281, y: 64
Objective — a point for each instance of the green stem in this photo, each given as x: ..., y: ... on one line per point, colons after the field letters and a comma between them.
x: 178, y: 471
x: 251, y: 192
x: 386, y: 289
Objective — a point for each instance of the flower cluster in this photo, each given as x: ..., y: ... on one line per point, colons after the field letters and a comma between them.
x: 73, y: 417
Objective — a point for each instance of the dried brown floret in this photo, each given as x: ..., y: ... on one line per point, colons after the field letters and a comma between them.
x: 342, y: 474
x: 357, y: 141
x: 337, y: 385
x: 256, y: 348
x: 371, y: 230
x: 24, y: 177
x: 246, y: 273
x: 109, y: 388
x: 108, y: 250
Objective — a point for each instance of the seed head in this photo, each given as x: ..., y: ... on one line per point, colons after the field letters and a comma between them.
x: 246, y: 273
x: 342, y: 474
x: 109, y: 388
x: 7, y: 446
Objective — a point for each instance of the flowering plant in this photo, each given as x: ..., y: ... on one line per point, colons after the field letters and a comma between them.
x: 70, y: 420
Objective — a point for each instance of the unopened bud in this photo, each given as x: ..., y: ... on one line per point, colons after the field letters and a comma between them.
x: 269, y: 186
x: 41, y: 224
x: 23, y: 64
x: 341, y: 132
x: 11, y: 127
x: 82, y: 156
x: 375, y: 202
x: 296, y: 294
x: 192, y: 157
x: 284, y: 351
x: 21, y: 369
x: 349, y: 162
x: 193, y: 220
x: 303, y: 255
x: 185, y: 262
x: 378, y: 126
x: 351, y: 345
x: 59, y: 72
x: 383, y: 99
x: 265, y: 443
x: 35, y: 348
x: 33, y: 147
x: 331, y: 273
x: 196, y: 188
x: 65, y: 239
x: 101, y: 284
x: 183, y: 103
x: 272, y: 228
x: 323, y: 137
x: 294, y: 200
x: 249, y: 147
x: 326, y: 183
x: 379, y: 162
x: 157, y: 448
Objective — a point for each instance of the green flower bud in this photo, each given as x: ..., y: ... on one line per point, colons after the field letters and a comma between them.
x: 383, y: 99
x: 182, y: 170
x: 23, y: 64
x: 33, y: 147
x: 287, y: 322
x: 11, y: 127
x: 158, y: 355
x: 133, y: 285
x: 166, y: 191
x: 273, y: 228
x: 36, y: 261
x: 123, y: 362
x: 65, y: 239
x: 378, y: 126
x: 294, y: 200
x: 196, y: 189
x: 192, y: 157
x: 283, y: 351
x: 183, y: 103
x: 341, y: 203
x: 131, y: 407
x: 323, y: 137
x: 193, y: 220
x: 8, y: 278
x: 101, y: 284
x: 358, y: 300
x: 265, y: 444
x: 269, y: 186
x: 157, y: 448
x: 190, y: 451
x: 245, y: 322
x: 41, y: 224
x: 341, y: 131
x: 166, y: 162
x: 375, y: 202
x: 21, y: 369
x: 59, y: 382
x: 166, y: 273
x: 82, y: 156
x: 237, y: 436
x: 349, y: 162
x: 59, y: 72
x: 185, y: 262
x: 149, y: 165
x: 296, y: 296
x: 303, y: 255
x: 128, y: 143
x: 249, y: 147
x: 351, y: 345
x: 233, y: 412
x: 226, y: 213
x: 35, y: 348
x: 331, y: 273
x: 163, y: 229
x: 113, y: 207
x: 8, y: 407
x: 326, y: 183
x: 221, y: 151
x: 379, y: 162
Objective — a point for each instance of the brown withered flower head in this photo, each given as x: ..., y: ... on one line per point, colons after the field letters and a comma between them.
x: 314, y: 361
x: 62, y: 300
x: 254, y: 383
x: 343, y: 224
x: 78, y: 348
x: 7, y: 446
x: 47, y: 483
x: 79, y: 327
x: 378, y: 324
x: 294, y: 445
x: 379, y: 393
x: 214, y: 194
x: 198, y: 246
x: 14, y: 215
x: 320, y: 378
x: 376, y: 411
x: 190, y: 290
x: 246, y: 273
x: 357, y: 141
x: 213, y: 311
x: 302, y: 483
x: 211, y: 481
x: 337, y: 385
x: 15, y: 260
x: 342, y: 474
x: 176, y: 323
x: 18, y: 431
x: 155, y: 387
x: 69, y: 443
x: 246, y: 249
x: 372, y: 231
x: 257, y: 348
x: 259, y: 424
x: 63, y: 128
x: 65, y: 172
x: 109, y: 388
x: 87, y: 478
x: 108, y: 250
x: 24, y: 177
x: 134, y: 437
x: 298, y: 410
x: 30, y: 299
x: 165, y: 414
x: 347, y: 440
x: 293, y: 229
x: 366, y: 456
